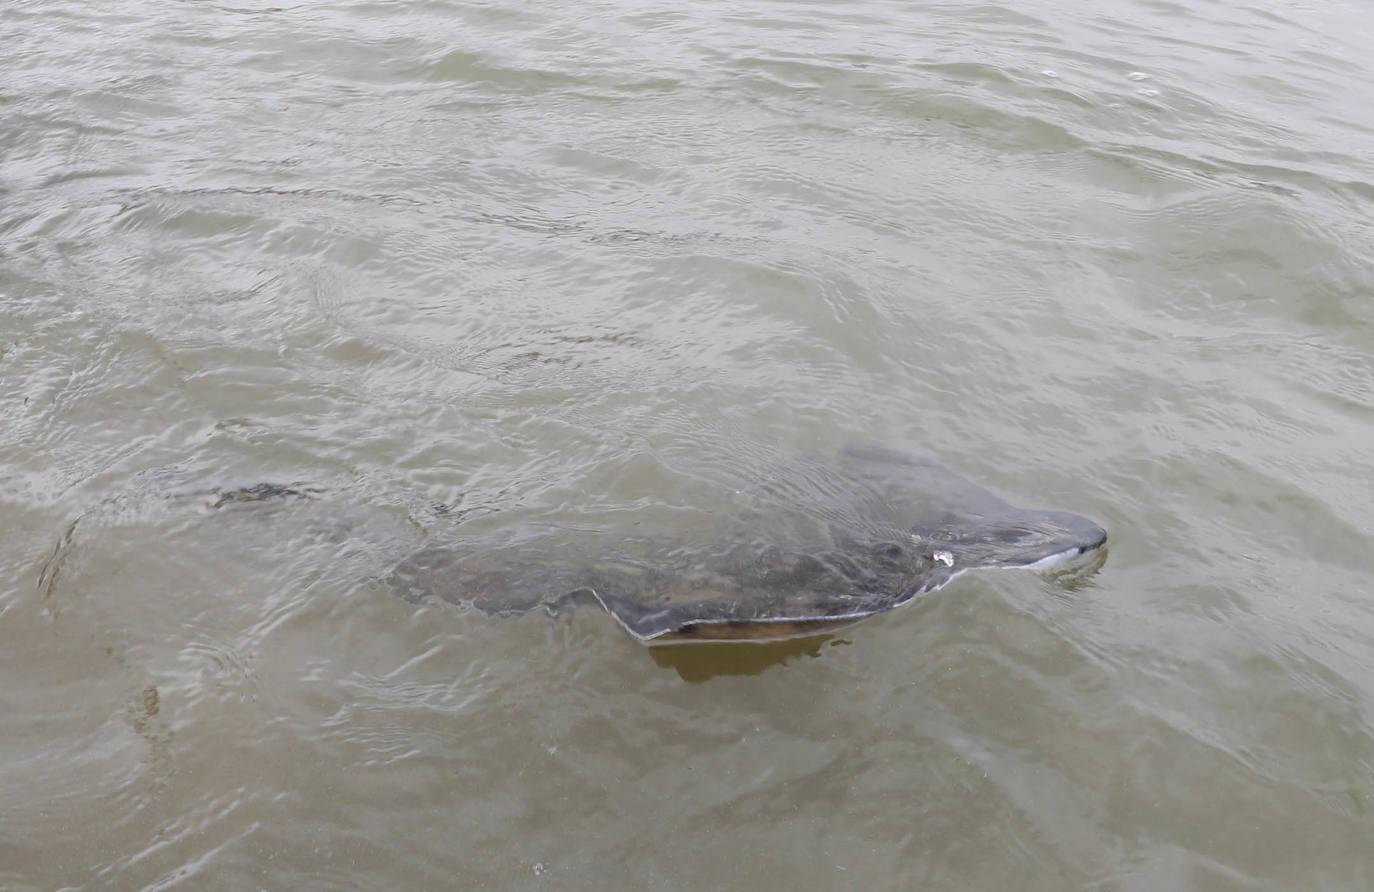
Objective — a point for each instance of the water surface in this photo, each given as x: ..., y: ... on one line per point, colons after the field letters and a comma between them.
x: 493, y: 268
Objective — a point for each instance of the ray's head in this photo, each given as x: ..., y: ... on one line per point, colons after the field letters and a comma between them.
x: 1035, y: 539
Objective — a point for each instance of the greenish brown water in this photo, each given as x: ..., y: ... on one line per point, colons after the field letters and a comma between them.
x: 508, y: 266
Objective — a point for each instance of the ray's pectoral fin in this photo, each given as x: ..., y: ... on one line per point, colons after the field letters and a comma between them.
x: 800, y: 615
x: 706, y: 622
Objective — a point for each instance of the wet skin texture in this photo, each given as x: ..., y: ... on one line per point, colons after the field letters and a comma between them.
x: 850, y: 537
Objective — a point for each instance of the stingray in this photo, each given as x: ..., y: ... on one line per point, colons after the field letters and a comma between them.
x: 826, y: 543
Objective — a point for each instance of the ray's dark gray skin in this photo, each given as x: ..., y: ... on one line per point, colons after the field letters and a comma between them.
x: 836, y: 541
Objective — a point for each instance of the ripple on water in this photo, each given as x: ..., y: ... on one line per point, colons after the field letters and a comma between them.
x: 489, y: 271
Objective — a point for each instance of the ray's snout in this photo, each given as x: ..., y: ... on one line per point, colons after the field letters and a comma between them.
x: 1036, y: 538
x: 1078, y: 531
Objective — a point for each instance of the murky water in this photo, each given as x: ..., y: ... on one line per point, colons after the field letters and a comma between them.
x: 510, y: 267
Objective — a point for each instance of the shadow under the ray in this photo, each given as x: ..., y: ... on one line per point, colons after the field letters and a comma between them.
x: 701, y: 662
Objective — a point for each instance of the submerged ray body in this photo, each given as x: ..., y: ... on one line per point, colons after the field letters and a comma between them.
x: 835, y: 542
